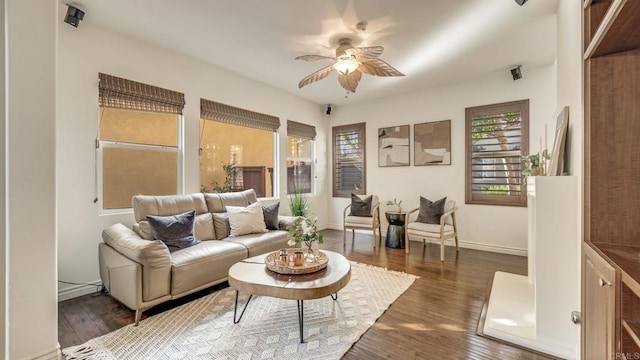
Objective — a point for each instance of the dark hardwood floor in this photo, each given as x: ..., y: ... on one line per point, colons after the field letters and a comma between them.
x: 436, y: 318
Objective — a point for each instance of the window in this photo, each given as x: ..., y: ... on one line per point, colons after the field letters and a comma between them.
x: 139, y: 147
x: 497, y: 138
x: 349, y: 171
x: 237, y: 149
x: 300, y: 141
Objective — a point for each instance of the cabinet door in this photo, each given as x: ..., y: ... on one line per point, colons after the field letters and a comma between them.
x: 599, y: 307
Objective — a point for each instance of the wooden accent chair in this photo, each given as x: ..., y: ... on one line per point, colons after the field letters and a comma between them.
x: 362, y: 222
x: 443, y: 231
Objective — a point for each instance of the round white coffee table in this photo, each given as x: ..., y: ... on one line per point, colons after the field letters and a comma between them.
x: 251, y: 276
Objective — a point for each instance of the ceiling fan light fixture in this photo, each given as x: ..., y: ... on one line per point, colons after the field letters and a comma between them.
x: 346, y: 66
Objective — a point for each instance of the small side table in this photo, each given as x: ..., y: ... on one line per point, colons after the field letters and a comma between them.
x: 395, y: 231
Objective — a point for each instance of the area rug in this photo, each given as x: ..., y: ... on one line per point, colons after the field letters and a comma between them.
x: 204, y: 329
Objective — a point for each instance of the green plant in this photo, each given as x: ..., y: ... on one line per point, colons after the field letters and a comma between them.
x: 298, y: 205
x: 532, y: 164
x: 229, y: 179
x: 394, y: 202
x: 306, y: 231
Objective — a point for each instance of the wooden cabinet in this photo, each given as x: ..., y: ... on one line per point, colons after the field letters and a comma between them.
x: 598, y: 313
x: 611, y: 253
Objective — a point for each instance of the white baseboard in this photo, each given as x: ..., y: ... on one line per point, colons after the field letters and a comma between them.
x: 48, y: 355
x: 482, y: 247
x: 77, y: 290
x: 463, y: 244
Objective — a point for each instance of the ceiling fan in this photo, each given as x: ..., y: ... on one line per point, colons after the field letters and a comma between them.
x: 350, y: 62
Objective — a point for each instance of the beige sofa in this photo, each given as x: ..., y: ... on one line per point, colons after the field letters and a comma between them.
x: 141, y: 272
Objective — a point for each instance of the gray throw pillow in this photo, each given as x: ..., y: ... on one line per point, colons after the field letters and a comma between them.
x: 221, y: 225
x: 270, y: 213
x: 359, y: 206
x: 176, y: 231
x: 430, y: 212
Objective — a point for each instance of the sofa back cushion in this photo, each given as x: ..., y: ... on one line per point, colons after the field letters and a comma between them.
x: 218, y: 203
x: 144, y: 205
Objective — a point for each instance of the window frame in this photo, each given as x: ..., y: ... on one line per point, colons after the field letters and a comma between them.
x: 102, y: 144
x: 335, y: 130
x: 485, y: 199
x: 312, y: 161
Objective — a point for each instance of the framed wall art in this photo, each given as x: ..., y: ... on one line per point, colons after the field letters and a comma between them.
x: 557, y: 163
x: 432, y: 143
x: 393, y: 146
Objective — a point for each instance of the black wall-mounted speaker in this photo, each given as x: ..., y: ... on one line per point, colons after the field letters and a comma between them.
x: 521, y: 2
x: 73, y: 16
x: 516, y: 73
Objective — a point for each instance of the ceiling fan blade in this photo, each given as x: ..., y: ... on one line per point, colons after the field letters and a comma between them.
x: 378, y: 67
x: 363, y: 54
x: 313, y: 57
x: 318, y: 75
x: 350, y: 81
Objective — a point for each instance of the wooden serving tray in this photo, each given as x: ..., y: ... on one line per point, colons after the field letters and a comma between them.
x: 274, y: 264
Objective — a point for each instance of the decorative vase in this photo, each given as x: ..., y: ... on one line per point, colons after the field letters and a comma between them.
x: 312, y: 249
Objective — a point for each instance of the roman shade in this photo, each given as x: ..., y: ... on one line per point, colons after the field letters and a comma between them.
x: 211, y: 110
x: 115, y: 92
x: 301, y: 130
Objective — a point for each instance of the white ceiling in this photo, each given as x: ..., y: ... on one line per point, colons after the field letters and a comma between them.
x: 434, y: 42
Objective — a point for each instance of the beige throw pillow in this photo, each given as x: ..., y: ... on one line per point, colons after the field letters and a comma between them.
x: 246, y: 220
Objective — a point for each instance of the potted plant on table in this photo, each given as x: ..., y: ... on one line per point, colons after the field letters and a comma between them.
x: 396, y: 203
x: 305, y: 231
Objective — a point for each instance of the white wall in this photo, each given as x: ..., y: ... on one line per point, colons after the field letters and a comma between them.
x: 32, y: 320
x: 569, y: 93
x: 87, y: 50
x: 493, y: 228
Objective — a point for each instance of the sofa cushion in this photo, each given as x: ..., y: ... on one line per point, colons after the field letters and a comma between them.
x: 217, y: 203
x: 221, y: 225
x: 262, y: 243
x: 144, y: 205
x: 203, y: 263
x: 361, y: 206
x: 246, y: 220
x: 270, y: 213
x: 431, y: 211
x: 203, y: 228
x: 176, y: 231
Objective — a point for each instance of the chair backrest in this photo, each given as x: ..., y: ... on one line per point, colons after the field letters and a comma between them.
x: 450, y: 204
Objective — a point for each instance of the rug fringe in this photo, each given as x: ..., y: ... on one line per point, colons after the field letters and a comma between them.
x: 80, y: 352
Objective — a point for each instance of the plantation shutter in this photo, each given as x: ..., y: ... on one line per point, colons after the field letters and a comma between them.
x: 301, y: 130
x: 115, y: 92
x: 497, y: 139
x: 211, y: 110
x: 349, y: 160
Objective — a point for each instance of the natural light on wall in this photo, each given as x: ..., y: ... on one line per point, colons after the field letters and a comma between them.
x: 455, y: 37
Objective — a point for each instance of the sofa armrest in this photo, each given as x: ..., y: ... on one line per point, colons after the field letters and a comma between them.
x: 153, y: 255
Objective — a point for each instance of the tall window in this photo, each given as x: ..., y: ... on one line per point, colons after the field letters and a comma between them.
x: 139, y: 143
x: 349, y: 171
x: 300, y: 141
x: 237, y: 149
x: 497, y: 136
